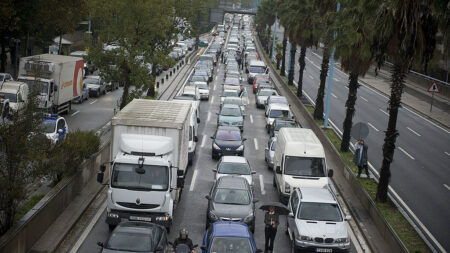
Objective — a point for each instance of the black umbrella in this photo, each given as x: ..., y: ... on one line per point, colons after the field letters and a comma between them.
x: 279, y: 207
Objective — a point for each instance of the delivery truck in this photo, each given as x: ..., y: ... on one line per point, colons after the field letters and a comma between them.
x: 16, y: 93
x: 149, y: 161
x: 57, y: 80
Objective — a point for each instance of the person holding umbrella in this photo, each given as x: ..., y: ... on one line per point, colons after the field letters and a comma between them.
x: 271, y: 220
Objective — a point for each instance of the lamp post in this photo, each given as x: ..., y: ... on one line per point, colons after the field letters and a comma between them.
x: 330, y: 77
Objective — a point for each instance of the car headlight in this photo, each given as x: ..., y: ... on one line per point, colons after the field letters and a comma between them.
x: 249, y: 218
x: 287, y: 188
x: 304, y: 238
x: 221, y: 122
x: 342, y: 240
x: 240, y: 148
x: 215, y: 146
x: 212, y: 216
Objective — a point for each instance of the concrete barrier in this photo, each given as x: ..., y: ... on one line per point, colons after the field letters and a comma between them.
x: 28, y: 230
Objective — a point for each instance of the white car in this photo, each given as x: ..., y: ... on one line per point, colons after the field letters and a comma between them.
x: 277, y: 111
x: 316, y: 222
x: 203, y: 89
x: 262, y: 95
x: 270, y: 151
x: 234, y: 166
x: 55, y: 128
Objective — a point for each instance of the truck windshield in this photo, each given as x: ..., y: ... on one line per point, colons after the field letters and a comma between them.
x: 11, y: 96
x: 304, y: 166
x: 36, y: 86
x: 150, y: 178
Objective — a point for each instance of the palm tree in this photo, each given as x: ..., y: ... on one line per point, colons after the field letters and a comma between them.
x: 283, y: 59
x: 265, y: 16
x: 353, y: 46
x: 406, y: 29
x: 287, y: 16
x: 278, y: 56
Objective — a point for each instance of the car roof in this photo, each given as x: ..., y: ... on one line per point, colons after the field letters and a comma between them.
x: 230, y: 229
x: 228, y: 128
x: 231, y: 106
x: 232, y: 182
x: 234, y: 159
x: 317, y: 195
x: 137, y: 227
x: 278, y: 107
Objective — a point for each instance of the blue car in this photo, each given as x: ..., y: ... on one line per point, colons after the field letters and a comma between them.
x: 229, y: 237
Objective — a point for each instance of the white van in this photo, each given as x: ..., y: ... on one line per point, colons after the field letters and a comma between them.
x: 299, y: 161
x: 256, y: 67
x: 191, y: 91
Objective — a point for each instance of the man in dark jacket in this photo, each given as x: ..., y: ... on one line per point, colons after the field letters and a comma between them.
x: 360, y: 157
x: 271, y: 220
x: 183, y: 239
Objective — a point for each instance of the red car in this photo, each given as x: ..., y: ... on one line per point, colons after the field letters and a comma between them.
x: 260, y: 80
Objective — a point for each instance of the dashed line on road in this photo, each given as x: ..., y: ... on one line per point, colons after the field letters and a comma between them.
x: 251, y: 119
x: 209, y: 116
x: 416, y: 133
x: 406, y: 153
x: 261, y: 184
x: 212, y: 100
x: 363, y: 98
x: 203, y: 141
x: 75, y: 113
x: 387, y: 114
x: 374, y: 128
x: 335, y: 79
x: 447, y: 153
x: 194, y: 176
x: 446, y: 186
x: 255, y: 141
x: 93, y: 102
x: 215, y: 79
x: 311, y: 77
x: 332, y: 94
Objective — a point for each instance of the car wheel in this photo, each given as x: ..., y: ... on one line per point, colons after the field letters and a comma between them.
x: 111, y: 227
x: 104, y: 92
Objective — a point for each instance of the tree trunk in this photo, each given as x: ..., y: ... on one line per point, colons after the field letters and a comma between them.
x: 301, y: 60
x: 2, y: 54
x: 60, y: 43
x: 126, y: 84
x: 318, y: 110
x: 278, y: 63
x: 283, y: 60
x: 350, y: 104
x: 398, y: 75
x: 292, y: 64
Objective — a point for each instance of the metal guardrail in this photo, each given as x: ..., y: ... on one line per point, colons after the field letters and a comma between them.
x: 422, y: 75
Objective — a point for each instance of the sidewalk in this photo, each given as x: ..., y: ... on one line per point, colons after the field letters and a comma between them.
x: 414, y: 96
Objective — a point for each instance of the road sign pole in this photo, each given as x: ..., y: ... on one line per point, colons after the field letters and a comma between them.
x: 432, y: 98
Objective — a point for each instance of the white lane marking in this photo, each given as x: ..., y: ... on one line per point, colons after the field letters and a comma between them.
x: 256, y: 143
x: 212, y: 100
x: 332, y: 94
x: 261, y: 184
x: 387, y: 114
x: 251, y: 119
x: 334, y: 126
x: 429, y: 121
x: 335, y: 79
x: 312, y: 63
x: 345, y: 86
x: 203, y: 141
x: 215, y: 78
x: 363, y: 98
x: 355, y: 241
x: 93, y: 102
x: 194, y: 176
x: 416, y: 133
x: 209, y: 116
x: 406, y: 153
x: 446, y: 186
x: 409, y: 211
x: 374, y: 128
x: 88, y: 229
x: 447, y: 153
x: 75, y: 113
x: 310, y: 76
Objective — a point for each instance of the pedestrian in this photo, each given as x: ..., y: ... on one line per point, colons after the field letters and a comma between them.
x: 221, y: 56
x: 360, y: 157
x: 271, y: 220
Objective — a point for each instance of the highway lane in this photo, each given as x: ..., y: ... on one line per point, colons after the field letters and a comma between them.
x: 420, y: 168
x: 191, y: 211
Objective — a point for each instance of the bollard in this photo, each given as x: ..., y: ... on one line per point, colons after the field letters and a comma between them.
x: 178, y: 67
x: 170, y: 73
x: 162, y: 81
x: 157, y: 85
x: 167, y: 77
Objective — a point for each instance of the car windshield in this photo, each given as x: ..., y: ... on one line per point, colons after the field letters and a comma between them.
x: 257, y: 69
x: 232, y: 196
x: 91, y: 81
x: 197, y: 79
x: 274, y: 144
x: 234, y: 168
x: 230, y: 94
x: 224, y: 135
x: 233, y: 101
x: 129, y: 176
x: 280, y: 114
x: 304, y: 166
x: 319, y: 211
x: 279, y: 100
x: 267, y: 93
x: 279, y: 125
x: 11, y: 96
x: 231, y: 244
x: 229, y: 111
x: 2, y: 77
x: 48, y: 125
x: 130, y: 242
x: 202, y: 86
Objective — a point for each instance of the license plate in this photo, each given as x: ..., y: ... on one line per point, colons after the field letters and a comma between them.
x: 324, y: 250
x: 137, y: 218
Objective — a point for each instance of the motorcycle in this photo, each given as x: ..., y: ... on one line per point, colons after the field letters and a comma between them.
x: 183, y: 248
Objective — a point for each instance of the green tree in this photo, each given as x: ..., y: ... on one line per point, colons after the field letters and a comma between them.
x: 406, y: 29
x: 283, y: 58
x: 353, y: 47
x: 8, y: 22
x: 288, y: 21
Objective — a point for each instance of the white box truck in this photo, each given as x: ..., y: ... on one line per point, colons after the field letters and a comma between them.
x: 299, y: 161
x: 57, y: 79
x: 16, y: 93
x: 149, y: 159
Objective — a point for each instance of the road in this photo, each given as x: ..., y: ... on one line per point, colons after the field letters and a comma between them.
x: 420, y: 170
x: 191, y: 211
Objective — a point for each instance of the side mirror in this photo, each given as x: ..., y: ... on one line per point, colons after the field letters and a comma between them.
x: 180, y: 173
x: 255, y: 200
x: 291, y: 215
x: 195, y: 138
x: 212, y: 137
x: 348, y: 217
x: 278, y: 170
x: 180, y: 182
x: 100, y: 176
x: 102, y: 168
x: 259, y: 251
x: 330, y: 173
x: 203, y: 247
x: 214, y: 170
x: 100, y: 244
x: 60, y: 131
x: 244, y: 139
x: 198, y: 120
x: 159, y: 248
x: 253, y: 172
x: 55, y: 88
x: 208, y: 197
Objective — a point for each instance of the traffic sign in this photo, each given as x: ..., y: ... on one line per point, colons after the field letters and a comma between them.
x: 434, y: 88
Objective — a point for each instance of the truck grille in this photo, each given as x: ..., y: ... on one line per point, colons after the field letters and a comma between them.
x: 136, y: 206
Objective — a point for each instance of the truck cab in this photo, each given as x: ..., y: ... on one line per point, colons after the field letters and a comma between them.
x: 16, y: 93
x: 4, y: 110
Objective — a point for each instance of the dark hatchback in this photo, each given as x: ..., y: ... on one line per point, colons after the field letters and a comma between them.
x: 227, y: 141
x: 136, y: 236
